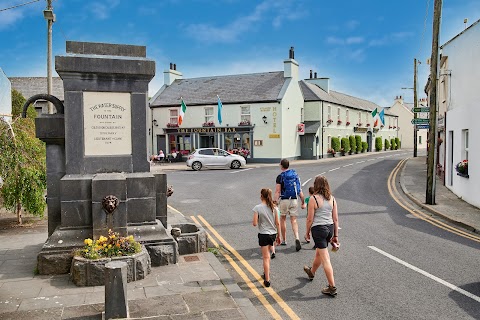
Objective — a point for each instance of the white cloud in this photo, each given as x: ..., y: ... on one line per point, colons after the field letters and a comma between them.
x: 12, y: 16
x: 390, y: 38
x: 101, y: 10
x: 346, y: 41
x: 352, y: 24
x: 229, y: 33
x: 354, y: 40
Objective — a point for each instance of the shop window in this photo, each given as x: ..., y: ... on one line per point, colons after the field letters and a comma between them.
x: 228, y: 142
x: 245, y: 114
x: 208, y: 114
x: 237, y: 141
x: 180, y: 143
x: 173, y: 116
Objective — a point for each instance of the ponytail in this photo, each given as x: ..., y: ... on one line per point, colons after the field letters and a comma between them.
x: 267, y: 196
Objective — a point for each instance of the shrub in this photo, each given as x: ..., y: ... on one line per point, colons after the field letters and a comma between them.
x: 345, y: 143
x: 364, y: 146
x: 358, y: 142
x: 378, y: 144
x: 353, y: 144
x: 111, y: 246
x: 336, y: 144
x: 392, y: 144
x: 397, y: 143
x: 387, y: 144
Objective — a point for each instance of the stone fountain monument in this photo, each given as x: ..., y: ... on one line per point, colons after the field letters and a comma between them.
x: 98, y: 176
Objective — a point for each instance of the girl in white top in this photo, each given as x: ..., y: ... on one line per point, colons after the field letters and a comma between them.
x: 266, y: 218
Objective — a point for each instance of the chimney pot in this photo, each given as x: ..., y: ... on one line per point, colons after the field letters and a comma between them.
x: 315, y: 75
x: 310, y: 73
x: 174, y: 66
x: 171, y: 66
x: 291, y: 54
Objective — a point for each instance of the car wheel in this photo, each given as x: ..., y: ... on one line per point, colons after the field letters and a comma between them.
x: 235, y: 164
x: 196, y: 166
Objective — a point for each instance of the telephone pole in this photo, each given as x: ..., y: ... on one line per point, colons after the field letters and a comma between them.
x: 415, y: 105
x: 50, y: 17
x: 432, y: 132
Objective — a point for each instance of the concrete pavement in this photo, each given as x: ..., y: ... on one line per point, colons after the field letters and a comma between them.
x: 197, y: 287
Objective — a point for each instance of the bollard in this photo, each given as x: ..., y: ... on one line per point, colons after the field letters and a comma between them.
x: 116, y: 305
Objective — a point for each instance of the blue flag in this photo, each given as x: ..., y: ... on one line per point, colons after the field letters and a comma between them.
x: 382, y: 116
x: 220, y: 106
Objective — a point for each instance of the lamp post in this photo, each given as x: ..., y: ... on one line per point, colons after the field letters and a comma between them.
x: 50, y: 17
x: 415, y: 105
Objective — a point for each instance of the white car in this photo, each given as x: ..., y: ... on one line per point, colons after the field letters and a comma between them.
x: 214, y: 158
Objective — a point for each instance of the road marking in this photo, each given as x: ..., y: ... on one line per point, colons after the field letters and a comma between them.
x: 334, y: 169
x: 426, y: 274
x: 371, y: 159
x: 242, y: 274
x: 360, y: 161
x: 246, y: 169
x: 172, y: 208
x: 249, y: 268
x: 392, y: 189
x: 303, y: 184
x: 320, y: 174
x: 348, y: 165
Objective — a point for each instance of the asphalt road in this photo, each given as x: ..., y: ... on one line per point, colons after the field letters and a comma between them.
x: 377, y: 236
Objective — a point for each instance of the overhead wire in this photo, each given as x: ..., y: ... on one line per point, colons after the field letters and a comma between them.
x: 19, y: 5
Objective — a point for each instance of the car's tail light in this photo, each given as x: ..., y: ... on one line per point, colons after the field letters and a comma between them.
x: 190, y: 157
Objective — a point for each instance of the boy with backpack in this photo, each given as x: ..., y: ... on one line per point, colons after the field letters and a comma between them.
x: 287, y: 191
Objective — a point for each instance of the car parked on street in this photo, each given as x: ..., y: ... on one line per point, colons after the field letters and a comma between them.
x: 214, y: 158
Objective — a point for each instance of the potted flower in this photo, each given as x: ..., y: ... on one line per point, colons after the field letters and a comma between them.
x: 368, y: 124
x: 389, y: 127
x: 172, y: 125
x: 329, y: 121
x: 359, y: 124
x: 381, y: 126
x: 348, y: 123
x: 244, y: 123
x: 462, y: 168
x: 208, y: 124
x: 394, y: 127
x: 339, y: 122
x: 342, y: 151
x: 331, y: 151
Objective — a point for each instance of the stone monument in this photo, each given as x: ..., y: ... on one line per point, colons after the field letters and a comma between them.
x: 98, y: 176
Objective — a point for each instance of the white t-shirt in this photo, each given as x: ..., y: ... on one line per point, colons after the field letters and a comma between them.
x: 266, y: 219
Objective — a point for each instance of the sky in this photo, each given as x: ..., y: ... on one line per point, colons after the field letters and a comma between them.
x: 366, y: 47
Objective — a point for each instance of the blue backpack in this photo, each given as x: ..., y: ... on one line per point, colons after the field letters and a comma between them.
x: 290, y: 184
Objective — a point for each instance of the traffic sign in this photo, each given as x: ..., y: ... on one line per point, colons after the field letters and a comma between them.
x: 420, y: 121
x: 423, y: 126
x: 420, y: 109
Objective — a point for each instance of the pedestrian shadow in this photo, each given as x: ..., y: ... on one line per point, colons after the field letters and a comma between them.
x: 294, y: 293
x: 467, y: 304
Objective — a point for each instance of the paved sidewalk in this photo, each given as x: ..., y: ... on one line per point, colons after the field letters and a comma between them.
x: 413, y: 180
x: 198, y: 287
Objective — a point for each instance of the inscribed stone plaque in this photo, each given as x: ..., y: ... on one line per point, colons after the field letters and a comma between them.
x: 107, y: 123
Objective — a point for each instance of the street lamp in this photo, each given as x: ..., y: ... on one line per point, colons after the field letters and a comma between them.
x: 415, y: 105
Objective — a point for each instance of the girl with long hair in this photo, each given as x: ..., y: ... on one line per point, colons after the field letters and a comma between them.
x: 322, y: 223
x: 266, y: 218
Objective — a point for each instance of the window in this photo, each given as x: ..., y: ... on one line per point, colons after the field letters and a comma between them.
x: 419, y: 139
x: 245, y: 114
x: 347, y: 116
x: 329, y: 142
x: 338, y: 114
x: 209, y: 114
x: 206, y: 152
x: 180, y: 143
x: 174, y: 116
x: 329, y: 113
x: 465, y: 145
x: 359, y: 117
x: 301, y: 115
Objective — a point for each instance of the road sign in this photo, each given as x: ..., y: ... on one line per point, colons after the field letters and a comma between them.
x: 420, y: 109
x: 423, y: 126
x: 420, y: 121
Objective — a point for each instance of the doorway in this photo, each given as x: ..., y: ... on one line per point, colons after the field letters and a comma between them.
x: 369, y: 141
x: 207, y: 141
x: 161, y: 143
x: 306, y: 143
x: 450, y: 158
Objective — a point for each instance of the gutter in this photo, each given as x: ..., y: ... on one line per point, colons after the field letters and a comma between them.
x: 321, y: 127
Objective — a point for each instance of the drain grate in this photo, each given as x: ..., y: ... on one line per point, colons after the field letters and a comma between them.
x: 191, y: 258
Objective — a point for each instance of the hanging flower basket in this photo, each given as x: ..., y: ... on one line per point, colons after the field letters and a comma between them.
x: 462, y: 169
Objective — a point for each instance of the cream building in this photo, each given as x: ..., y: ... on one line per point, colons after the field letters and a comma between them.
x: 262, y: 112
x: 405, y: 127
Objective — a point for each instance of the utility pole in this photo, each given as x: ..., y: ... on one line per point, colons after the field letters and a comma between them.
x: 50, y: 17
x: 432, y: 132
x: 415, y: 105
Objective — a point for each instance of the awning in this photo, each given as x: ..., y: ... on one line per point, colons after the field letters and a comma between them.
x: 311, y: 127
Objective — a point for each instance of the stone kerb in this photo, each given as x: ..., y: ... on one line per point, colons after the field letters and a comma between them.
x: 86, y: 272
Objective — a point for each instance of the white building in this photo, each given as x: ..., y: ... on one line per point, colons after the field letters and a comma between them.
x: 261, y: 113
x: 458, y: 92
x: 405, y: 127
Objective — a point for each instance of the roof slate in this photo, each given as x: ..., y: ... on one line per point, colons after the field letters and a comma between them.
x: 30, y: 86
x: 241, y: 88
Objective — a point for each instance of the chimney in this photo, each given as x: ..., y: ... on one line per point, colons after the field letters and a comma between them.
x: 310, y: 73
x: 399, y: 99
x: 323, y: 83
x: 169, y: 76
x: 290, y: 66
x: 315, y: 76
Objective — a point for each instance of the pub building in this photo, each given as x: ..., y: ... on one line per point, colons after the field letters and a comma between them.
x: 265, y: 116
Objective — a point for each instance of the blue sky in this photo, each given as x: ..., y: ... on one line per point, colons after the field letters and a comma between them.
x: 365, y: 47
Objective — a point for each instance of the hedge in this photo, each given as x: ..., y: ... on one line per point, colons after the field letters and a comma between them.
x: 397, y: 143
x: 378, y: 144
x: 358, y: 142
x: 335, y: 144
x: 364, y: 146
x: 345, y: 143
x: 392, y: 144
x: 387, y: 144
x: 353, y: 144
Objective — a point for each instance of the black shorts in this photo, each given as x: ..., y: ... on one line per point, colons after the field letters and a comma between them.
x: 322, y: 234
x: 266, y: 239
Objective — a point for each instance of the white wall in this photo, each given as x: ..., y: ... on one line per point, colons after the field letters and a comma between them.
x: 463, y: 54
x: 290, y: 109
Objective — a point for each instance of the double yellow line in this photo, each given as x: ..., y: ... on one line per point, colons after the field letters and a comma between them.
x: 291, y: 314
x: 392, y: 188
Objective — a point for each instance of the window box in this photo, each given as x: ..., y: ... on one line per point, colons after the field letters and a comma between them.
x: 208, y: 124
x: 348, y: 123
x: 329, y: 121
x: 339, y: 122
x: 172, y: 125
x: 368, y: 124
x: 244, y: 123
x: 359, y: 124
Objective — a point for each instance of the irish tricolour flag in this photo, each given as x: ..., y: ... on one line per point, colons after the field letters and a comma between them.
x: 183, y: 108
x: 376, y: 117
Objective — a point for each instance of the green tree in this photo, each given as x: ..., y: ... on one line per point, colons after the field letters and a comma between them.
x: 345, y: 144
x: 22, y: 165
x: 358, y: 143
x: 364, y: 146
x: 397, y: 143
x: 353, y: 144
x: 378, y: 144
x: 392, y: 144
x: 335, y: 144
x: 387, y: 144
x: 18, y: 100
